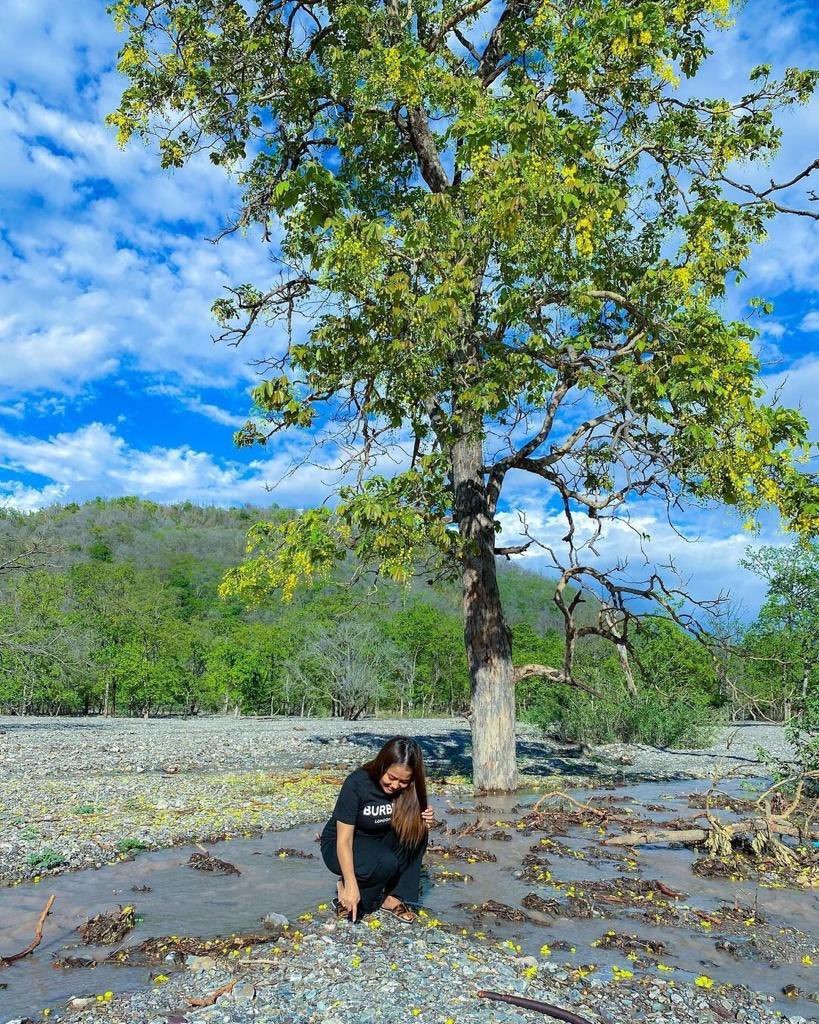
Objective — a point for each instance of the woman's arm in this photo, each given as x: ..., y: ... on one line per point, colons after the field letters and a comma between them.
x: 348, y: 893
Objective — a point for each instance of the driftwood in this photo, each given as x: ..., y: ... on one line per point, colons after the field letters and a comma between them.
x: 35, y: 942
x: 211, y: 999
x: 536, y: 1004
x: 691, y: 836
x: 660, y: 835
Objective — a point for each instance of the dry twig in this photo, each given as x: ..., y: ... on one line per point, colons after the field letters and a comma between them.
x: 35, y: 942
x: 211, y: 999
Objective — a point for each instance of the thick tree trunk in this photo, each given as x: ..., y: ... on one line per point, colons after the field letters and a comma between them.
x: 488, y: 642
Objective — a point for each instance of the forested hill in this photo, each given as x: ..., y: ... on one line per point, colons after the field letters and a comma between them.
x: 116, y: 607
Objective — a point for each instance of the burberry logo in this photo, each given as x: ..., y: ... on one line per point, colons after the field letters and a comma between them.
x: 373, y: 810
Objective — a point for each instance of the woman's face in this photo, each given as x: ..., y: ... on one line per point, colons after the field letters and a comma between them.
x: 396, y: 778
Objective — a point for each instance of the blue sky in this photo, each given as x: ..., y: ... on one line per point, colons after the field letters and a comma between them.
x: 109, y: 383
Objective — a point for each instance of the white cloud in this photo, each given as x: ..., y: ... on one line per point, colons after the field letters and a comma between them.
x: 194, y: 403
x: 94, y: 460
x: 104, y: 259
x: 810, y: 322
x: 701, y: 554
x: 798, y: 387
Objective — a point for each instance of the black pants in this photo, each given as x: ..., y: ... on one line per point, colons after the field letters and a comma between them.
x: 383, y: 867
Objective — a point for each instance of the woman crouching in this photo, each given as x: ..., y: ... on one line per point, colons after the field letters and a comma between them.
x: 376, y: 837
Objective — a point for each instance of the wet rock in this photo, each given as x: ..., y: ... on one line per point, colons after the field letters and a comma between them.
x: 274, y: 920
x: 200, y: 963
x: 243, y: 992
x: 82, y: 1002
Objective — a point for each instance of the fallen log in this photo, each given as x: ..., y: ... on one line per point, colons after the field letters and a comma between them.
x: 35, y: 942
x: 535, y: 1004
x: 660, y: 835
x: 211, y: 999
x: 692, y: 836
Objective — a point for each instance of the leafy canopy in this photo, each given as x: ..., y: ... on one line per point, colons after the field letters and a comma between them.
x: 486, y: 211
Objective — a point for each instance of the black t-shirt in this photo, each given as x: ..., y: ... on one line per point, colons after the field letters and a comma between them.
x: 363, y: 804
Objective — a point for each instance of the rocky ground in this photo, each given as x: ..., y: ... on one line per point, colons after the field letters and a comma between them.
x: 81, y: 792
x: 382, y: 971
x: 78, y: 793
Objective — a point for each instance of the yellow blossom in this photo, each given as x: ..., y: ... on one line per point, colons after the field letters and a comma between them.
x: 703, y: 981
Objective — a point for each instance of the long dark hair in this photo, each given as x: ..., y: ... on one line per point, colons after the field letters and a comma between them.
x: 406, y: 814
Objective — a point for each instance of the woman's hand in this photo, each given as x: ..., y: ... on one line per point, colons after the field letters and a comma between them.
x: 429, y: 816
x: 349, y: 897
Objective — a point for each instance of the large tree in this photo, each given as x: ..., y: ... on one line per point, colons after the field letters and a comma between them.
x: 502, y: 233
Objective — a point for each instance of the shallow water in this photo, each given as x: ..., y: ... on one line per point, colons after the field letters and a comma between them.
x: 187, y: 902
x: 182, y: 902
x: 690, y: 951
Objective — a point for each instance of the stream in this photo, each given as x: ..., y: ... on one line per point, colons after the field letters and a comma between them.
x: 185, y: 902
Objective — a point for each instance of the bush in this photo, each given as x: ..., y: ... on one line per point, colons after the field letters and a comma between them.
x: 130, y: 845
x: 46, y: 860
x: 681, y: 719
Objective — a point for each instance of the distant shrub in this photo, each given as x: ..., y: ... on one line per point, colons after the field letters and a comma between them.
x: 684, y: 718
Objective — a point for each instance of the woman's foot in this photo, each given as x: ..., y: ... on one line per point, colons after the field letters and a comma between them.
x: 399, y: 910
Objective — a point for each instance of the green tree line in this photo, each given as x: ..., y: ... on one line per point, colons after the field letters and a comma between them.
x: 112, y: 607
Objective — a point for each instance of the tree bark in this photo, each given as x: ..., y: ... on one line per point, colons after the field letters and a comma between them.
x: 487, y: 639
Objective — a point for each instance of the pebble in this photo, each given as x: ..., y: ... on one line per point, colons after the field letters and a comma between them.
x: 274, y: 920
x: 122, y: 768
x: 81, y: 1003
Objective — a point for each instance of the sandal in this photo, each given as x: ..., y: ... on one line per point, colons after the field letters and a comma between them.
x: 401, y: 912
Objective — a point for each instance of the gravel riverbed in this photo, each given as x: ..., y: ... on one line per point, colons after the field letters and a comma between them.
x: 79, y: 792
x: 381, y: 971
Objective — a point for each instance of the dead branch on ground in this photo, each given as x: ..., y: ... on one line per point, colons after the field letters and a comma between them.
x: 35, y: 942
x: 211, y: 999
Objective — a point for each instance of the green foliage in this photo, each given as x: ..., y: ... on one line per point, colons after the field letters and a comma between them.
x: 680, y: 718
x: 782, y: 645
x: 496, y: 223
x: 46, y: 859
x: 145, y: 632
x: 672, y: 660
x: 130, y: 845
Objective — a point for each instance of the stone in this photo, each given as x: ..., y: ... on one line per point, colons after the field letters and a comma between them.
x: 273, y: 920
x: 200, y: 963
x: 243, y: 992
x: 81, y: 1003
